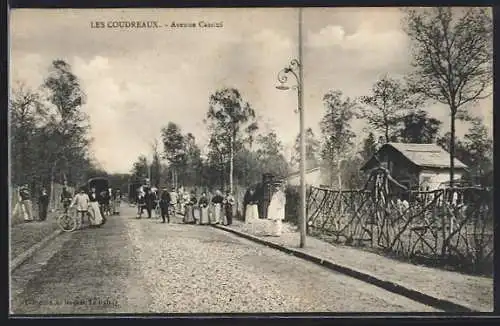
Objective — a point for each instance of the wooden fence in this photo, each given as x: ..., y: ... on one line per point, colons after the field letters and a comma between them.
x: 447, y: 226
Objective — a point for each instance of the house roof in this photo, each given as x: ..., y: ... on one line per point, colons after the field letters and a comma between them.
x: 307, y: 171
x: 422, y: 155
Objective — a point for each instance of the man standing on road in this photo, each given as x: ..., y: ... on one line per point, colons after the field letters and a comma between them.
x: 228, y: 205
x: 43, y: 205
x: 165, y: 201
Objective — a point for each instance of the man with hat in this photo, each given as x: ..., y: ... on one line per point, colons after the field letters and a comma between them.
x: 165, y: 201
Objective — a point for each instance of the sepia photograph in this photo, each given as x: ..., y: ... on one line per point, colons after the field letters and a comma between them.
x: 250, y: 160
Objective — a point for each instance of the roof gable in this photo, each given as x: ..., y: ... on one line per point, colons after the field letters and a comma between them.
x: 422, y: 155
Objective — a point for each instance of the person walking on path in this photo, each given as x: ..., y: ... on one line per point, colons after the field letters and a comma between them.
x: 82, y: 203
x: 25, y: 203
x: 43, y: 205
x: 276, y: 211
x: 95, y: 212
x: 150, y: 201
x: 203, y: 203
x: 165, y: 202
x: 228, y: 208
x: 251, y: 207
x: 189, y: 211
x: 141, y: 201
x: 117, y: 201
x: 217, y: 207
x: 103, y: 201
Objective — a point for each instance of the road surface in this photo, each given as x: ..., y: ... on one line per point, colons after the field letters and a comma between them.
x: 143, y: 266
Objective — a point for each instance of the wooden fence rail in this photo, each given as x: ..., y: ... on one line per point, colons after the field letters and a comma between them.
x: 450, y: 226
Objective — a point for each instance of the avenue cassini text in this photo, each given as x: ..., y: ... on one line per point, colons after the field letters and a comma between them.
x: 154, y: 24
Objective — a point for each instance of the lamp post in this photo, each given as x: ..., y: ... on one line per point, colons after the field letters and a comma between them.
x: 295, y: 69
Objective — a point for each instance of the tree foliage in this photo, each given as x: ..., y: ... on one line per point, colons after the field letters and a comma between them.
x: 50, y: 131
x: 452, y: 51
x: 336, y: 129
x: 389, y: 102
x: 418, y: 128
x: 140, y: 169
x: 313, y: 149
x: 231, y: 121
x: 270, y: 155
x: 369, y: 147
x: 475, y: 150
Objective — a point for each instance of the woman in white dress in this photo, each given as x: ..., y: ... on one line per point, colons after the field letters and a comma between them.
x: 251, y: 207
x: 95, y: 213
x: 276, y: 211
x: 217, y: 207
x: 203, y: 203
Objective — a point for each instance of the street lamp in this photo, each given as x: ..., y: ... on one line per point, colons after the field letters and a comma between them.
x: 295, y: 69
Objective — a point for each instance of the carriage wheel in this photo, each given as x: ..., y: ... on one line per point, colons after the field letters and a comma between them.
x: 67, y: 223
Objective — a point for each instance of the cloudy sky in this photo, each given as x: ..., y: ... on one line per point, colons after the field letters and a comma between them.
x: 137, y: 80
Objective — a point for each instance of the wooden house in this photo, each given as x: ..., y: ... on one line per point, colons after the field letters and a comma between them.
x: 416, y: 166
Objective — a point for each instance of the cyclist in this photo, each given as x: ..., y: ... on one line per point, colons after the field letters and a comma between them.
x: 66, y: 198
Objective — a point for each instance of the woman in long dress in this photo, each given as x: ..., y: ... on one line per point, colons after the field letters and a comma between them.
x: 203, y: 203
x: 276, y: 211
x: 216, y: 207
x: 251, y: 207
x: 94, y: 211
x: 189, y: 212
x: 118, y: 201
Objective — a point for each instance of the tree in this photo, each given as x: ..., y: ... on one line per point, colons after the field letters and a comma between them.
x: 140, y: 169
x: 389, y: 103
x: 193, y: 164
x: 270, y: 155
x: 369, y: 147
x: 480, y: 149
x: 336, y: 129
x: 25, y: 109
x: 452, y: 58
x: 418, y: 128
x: 156, y: 164
x: 231, y: 120
x: 312, y: 150
x: 67, y: 125
x: 174, y: 148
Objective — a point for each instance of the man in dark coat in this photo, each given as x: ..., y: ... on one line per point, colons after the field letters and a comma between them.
x: 164, y: 205
x: 150, y: 199
x: 43, y: 205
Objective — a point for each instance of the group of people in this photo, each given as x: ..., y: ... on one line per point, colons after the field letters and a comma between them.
x: 216, y: 209
x: 96, y: 206
x: 24, y: 205
x: 270, y: 207
x: 204, y: 210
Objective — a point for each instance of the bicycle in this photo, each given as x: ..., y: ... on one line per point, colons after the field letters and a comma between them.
x: 69, y: 221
